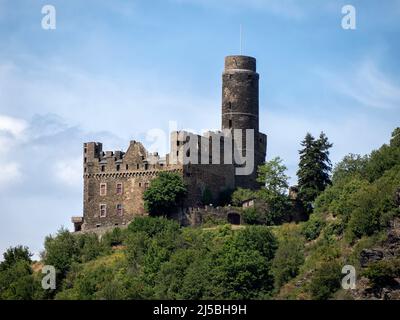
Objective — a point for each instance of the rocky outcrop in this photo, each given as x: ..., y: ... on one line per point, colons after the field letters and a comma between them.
x: 387, y: 250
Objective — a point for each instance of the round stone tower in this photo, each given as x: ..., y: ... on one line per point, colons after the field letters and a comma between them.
x: 240, y: 93
x: 240, y: 110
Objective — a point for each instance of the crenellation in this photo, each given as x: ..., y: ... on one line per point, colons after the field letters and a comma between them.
x: 114, y: 181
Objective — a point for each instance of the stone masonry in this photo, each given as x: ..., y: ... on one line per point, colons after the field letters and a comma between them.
x: 114, y: 181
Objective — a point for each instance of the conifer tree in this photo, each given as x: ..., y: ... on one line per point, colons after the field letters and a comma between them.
x: 314, y: 167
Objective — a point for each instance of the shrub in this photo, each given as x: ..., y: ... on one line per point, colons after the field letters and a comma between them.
x: 312, y: 228
x: 325, y: 280
x: 240, y: 195
x: 288, y: 257
x: 383, y: 272
x: 164, y: 194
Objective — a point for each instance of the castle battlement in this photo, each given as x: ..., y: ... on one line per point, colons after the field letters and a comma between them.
x: 114, y: 181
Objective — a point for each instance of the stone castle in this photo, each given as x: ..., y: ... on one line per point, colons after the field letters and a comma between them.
x: 114, y: 181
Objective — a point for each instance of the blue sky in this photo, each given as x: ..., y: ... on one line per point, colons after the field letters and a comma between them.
x: 118, y: 70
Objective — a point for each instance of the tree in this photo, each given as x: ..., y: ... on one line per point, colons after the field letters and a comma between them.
x: 272, y: 176
x: 395, y: 141
x: 274, y: 192
x: 164, y: 194
x: 15, y: 254
x: 350, y: 166
x: 241, y: 195
x: 314, y: 167
x: 61, y: 251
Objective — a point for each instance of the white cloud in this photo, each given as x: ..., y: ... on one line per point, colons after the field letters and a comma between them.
x: 10, y: 173
x: 365, y: 84
x: 11, y: 134
x: 69, y: 172
x: 13, y: 125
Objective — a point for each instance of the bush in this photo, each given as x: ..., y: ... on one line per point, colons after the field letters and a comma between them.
x: 325, y: 280
x: 383, y: 272
x: 312, y: 228
x: 288, y: 257
x: 152, y: 226
x: 164, y: 194
x: 240, y: 195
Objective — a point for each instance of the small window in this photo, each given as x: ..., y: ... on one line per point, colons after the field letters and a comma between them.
x: 230, y: 106
x: 84, y: 170
x: 140, y: 184
x: 119, y: 188
x: 98, y: 225
x: 120, y: 209
x: 230, y: 124
x: 146, y: 166
x: 137, y: 166
x: 85, y: 150
x: 118, y: 167
x: 103, y: 189
x: 103, y: 211
x: 177, y: 153
x: 103, y: 168
x: 84, y: 160
x: 127, y: 167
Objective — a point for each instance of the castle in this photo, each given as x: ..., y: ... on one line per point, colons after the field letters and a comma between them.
x: 114, y: 181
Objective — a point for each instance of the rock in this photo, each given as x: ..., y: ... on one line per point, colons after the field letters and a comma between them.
x: 370, y: 255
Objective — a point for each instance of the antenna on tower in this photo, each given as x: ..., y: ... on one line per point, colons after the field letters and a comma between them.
x: 240, y: 39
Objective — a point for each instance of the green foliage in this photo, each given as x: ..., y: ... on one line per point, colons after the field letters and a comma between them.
x: 326, y: 280
x: 314, y: 167
x: 277, y: 207
x: 312, y: 228
x: 395, y: 140
x: 289, y: 256
x: 152, y: 226
x: 17, y: 281
x: 272, y: 176
x: 240, y: 195
x: 375, y: 205
x: 383, y: 272
x: 115, y: 237
x: 272, y: 194
x: 217, y: 264
x: 13, y: 255
x: 383, y: 159
x: 253, y: 216
x: 352, y: 165
x: 164, y: 194
x: 61, y: 251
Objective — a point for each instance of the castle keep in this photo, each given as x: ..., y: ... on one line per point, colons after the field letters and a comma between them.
x: 114, y: 181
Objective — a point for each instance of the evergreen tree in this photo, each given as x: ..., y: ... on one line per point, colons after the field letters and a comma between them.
x: 314, y: 167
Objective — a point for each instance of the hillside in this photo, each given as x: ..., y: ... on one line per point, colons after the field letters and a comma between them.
x: 355, y: 221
